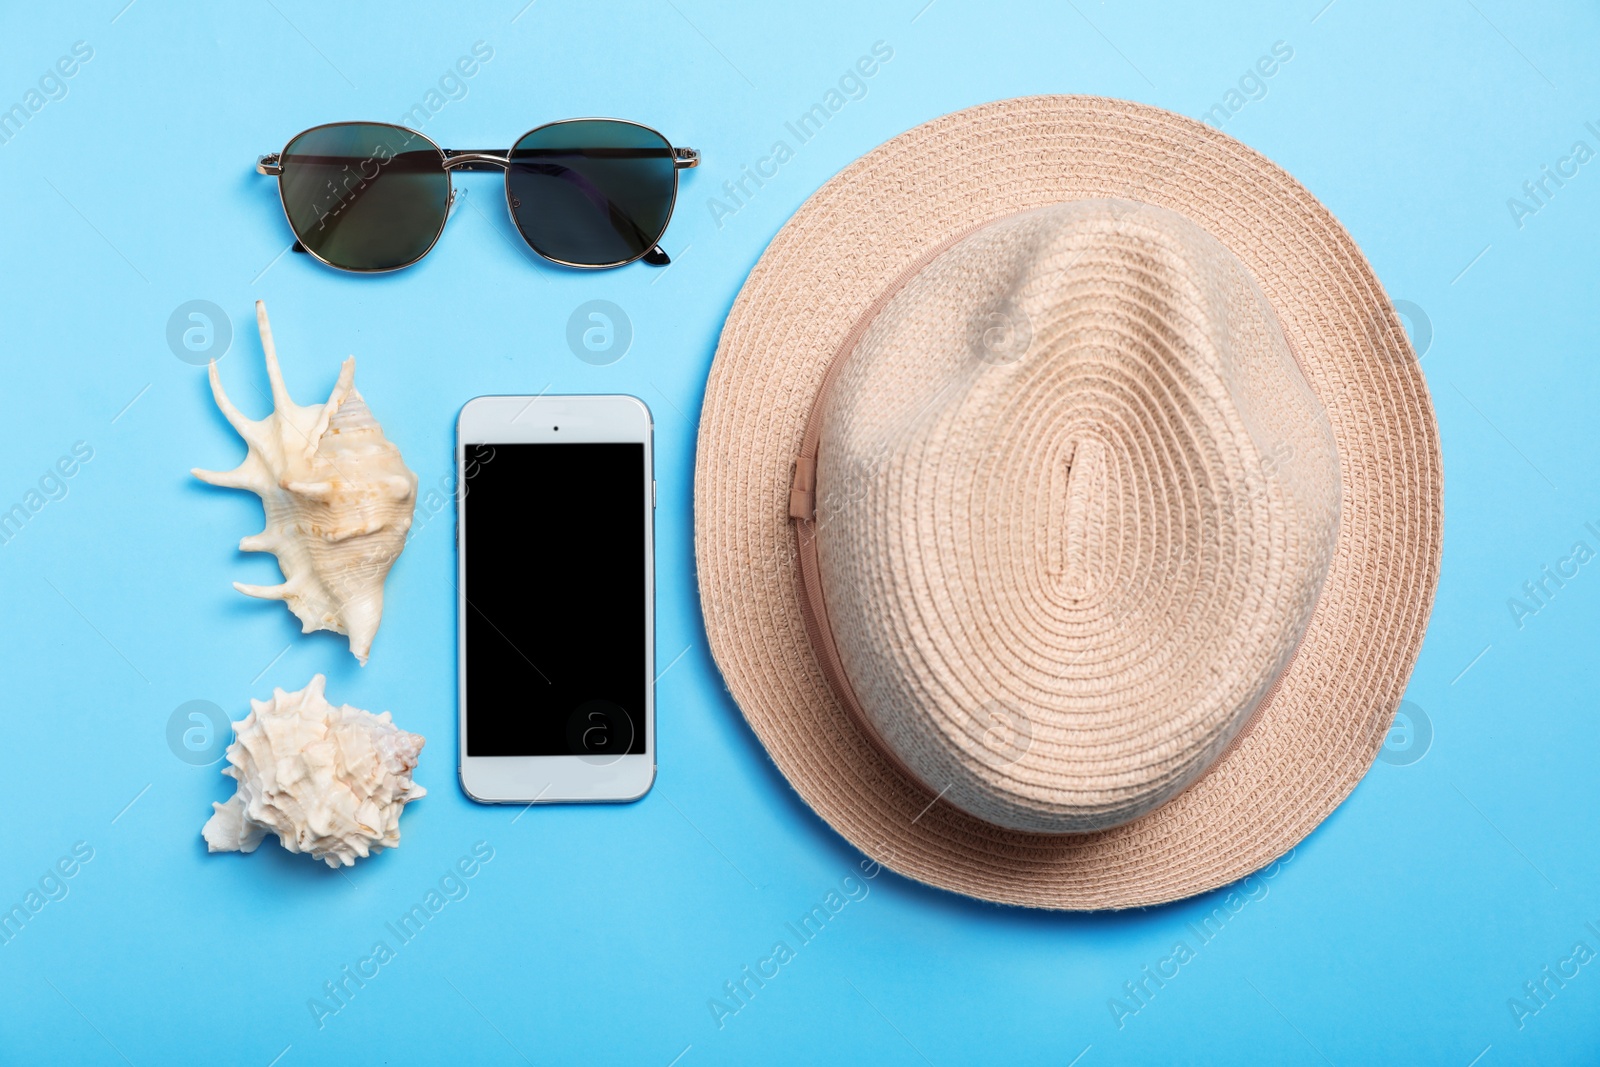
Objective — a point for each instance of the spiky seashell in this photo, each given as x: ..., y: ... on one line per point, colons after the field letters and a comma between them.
x: 328, y: 781
x: 337, y: 496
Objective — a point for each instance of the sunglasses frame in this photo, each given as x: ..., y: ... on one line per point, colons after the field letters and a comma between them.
x: 451, y: 159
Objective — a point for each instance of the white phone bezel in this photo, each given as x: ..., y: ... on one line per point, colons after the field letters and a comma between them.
x: 496, y: 420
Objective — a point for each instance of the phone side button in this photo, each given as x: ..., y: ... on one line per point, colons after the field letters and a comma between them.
x: 652, y: 492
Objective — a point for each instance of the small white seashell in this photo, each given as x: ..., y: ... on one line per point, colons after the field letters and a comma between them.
x: 337, y: 496
x: 328, y: 781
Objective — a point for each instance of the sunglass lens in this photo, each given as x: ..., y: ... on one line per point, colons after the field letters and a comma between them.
x: 592, y: 192
x: 365, y: 196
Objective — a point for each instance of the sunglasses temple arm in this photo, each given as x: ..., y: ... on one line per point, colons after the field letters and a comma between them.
x: 682, y: 159
x: 656, y: 257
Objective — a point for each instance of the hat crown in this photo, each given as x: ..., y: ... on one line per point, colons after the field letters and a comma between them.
x: 1074, y: 505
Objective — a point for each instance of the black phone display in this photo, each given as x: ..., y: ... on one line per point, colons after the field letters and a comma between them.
x: 556, y: 605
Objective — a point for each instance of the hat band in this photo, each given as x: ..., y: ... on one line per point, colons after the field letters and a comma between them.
x: 803, y: 513
x: 812, y: 601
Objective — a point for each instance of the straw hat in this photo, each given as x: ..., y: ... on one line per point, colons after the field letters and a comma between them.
x: 1067, y: 505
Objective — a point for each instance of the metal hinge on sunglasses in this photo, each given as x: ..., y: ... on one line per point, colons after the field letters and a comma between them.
x: 269, y: 164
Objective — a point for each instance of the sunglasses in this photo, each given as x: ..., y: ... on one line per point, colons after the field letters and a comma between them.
x: 371, y: 196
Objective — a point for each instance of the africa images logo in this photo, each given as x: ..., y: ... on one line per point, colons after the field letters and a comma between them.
x: 851, y: 85
x: 52, y: 85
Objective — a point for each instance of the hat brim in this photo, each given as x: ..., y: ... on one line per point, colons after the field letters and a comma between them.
x: 1322, y: 727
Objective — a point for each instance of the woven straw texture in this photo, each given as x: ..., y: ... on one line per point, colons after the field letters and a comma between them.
x: 1326, y: 713
x: 1075, y: 504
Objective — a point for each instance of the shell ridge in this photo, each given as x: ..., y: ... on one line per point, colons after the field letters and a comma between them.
x: 337, y: 496
x: 320, y: 778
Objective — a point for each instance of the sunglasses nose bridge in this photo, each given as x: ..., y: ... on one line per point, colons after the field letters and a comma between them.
x: 476, y: 161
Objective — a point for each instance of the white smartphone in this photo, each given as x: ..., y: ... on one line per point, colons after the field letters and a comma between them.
x: 555, y: 513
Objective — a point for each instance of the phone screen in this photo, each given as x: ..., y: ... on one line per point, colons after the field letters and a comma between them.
x: 555, y: 599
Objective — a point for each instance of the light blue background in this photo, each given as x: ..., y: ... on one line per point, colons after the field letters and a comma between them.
x: 1398, y: 932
